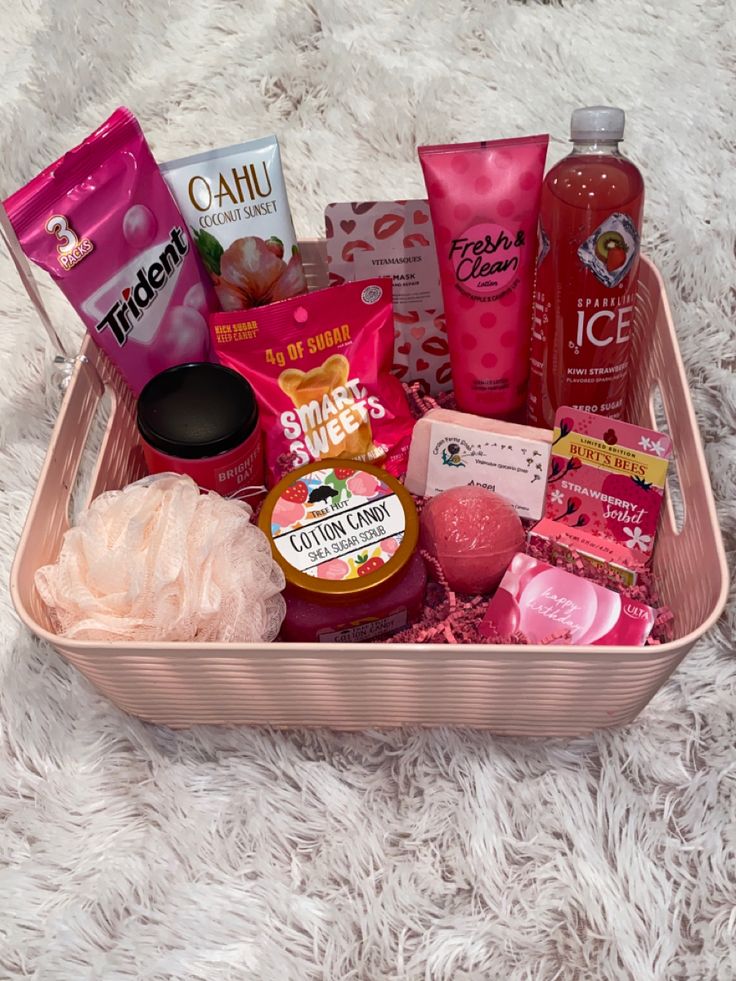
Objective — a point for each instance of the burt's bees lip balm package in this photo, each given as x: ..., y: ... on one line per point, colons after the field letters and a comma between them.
x: 103, y: 223
x: 234, y: 201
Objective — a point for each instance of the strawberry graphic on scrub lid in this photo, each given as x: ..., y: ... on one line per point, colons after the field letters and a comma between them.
x: 342, y: 473
x: 366, y: 565
x: 297, y: 493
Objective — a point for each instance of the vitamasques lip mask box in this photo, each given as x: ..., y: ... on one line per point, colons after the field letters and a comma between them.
x: 396, y: 238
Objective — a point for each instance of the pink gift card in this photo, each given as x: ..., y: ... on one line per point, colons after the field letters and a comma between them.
x: 395, y: 238
x: 546, y: 603
x: 607, y: 477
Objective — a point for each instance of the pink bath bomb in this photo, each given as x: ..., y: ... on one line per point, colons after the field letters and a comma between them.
x: 473, y: 533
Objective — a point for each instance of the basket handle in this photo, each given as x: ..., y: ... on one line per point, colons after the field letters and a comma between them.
x: 696, y: 543
x: 63, y: 361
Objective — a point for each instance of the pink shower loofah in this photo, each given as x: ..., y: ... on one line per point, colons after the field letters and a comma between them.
x: 158, y: 560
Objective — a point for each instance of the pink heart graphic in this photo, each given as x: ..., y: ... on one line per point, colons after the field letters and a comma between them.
x: 420, y: 217
x: 347, y: 226
x: 418, y: 332
x: 422, y: 365
x: 404, y: 348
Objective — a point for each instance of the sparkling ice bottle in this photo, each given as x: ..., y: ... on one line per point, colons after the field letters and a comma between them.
x: 590, y: 223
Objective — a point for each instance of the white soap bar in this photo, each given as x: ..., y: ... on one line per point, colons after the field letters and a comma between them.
x: 455, y: 449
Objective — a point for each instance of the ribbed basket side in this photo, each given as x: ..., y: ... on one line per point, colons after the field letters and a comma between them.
x: 509, y: 693
x: 689, y: 563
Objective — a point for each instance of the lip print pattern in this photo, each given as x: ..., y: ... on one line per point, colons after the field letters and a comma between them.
x: 387, y: 225
x: 350, y: 247
x: 444, y: 375
x: 416, y: 240
x: 437, y: 346
x: 393, y: 228
x: 412, y: 317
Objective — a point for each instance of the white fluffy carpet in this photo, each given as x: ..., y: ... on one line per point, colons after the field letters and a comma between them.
x: 130, y: 852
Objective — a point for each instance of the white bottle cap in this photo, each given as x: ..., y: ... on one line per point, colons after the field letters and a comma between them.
x: 597, y: 124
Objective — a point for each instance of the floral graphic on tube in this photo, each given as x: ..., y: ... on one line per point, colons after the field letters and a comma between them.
x: 645, y: 443
x: 637, y: 539
x: 251, y: 272
x: 557, y: 497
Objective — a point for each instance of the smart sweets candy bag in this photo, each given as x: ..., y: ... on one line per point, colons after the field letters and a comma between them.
x: 320, y: 365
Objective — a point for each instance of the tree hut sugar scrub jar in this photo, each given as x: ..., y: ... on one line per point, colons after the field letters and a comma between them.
x: 201, y: 419
x: 345, y: 535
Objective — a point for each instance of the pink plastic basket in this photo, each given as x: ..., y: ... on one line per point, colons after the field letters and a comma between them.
x: 532, y: 691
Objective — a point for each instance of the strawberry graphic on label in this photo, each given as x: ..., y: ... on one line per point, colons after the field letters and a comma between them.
x: 297, y: 493
x: 615, y: 259
x: 610, y: 252
x: 342, y: 473
x: 366, y: 565
x: 612, y: 249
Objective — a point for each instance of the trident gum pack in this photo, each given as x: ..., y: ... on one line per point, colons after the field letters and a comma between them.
x: 103, y: 223
x: 321, y: 367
